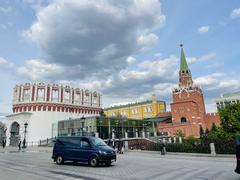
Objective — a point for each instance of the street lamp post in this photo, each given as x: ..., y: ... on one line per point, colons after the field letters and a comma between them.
x: 83, y: 118
x: 25, y: 132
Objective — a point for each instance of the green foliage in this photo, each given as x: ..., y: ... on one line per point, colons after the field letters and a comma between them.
x: 191, y: 140
x: 230, y: 118
x: 201, y: 132
x: 179, y: 133
x: 214, y: 127
x: 177, y: 147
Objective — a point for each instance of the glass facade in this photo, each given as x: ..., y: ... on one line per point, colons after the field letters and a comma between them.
x: 105, y: 127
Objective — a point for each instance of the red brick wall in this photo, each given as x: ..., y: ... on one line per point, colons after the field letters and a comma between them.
x: 187, y: 129
x: 211, y: 118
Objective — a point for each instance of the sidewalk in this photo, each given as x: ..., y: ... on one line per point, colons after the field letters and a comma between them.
x: 186, y: 154
x: 10, y: 149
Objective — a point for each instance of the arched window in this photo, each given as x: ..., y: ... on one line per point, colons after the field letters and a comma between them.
x: 183, y: 120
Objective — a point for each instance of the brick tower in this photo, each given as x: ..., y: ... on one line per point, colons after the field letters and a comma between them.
x: 188, y: 102
x: 188, y: 112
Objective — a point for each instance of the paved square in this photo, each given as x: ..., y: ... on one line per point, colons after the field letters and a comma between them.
x: 131, y: 165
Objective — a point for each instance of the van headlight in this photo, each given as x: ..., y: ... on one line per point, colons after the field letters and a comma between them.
x: 102, y: 152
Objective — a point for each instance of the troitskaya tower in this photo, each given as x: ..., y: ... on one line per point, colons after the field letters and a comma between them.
x: 188, y: 102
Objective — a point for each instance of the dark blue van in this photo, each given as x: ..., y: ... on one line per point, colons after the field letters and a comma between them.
x: 83, y: 149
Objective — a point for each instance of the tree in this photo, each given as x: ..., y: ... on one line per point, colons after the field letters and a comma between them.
x: 214, y: 127
x: 201, y: 132
x: 230, y: 118
x: 179, y: 133
x: 206, y: 132
x: 102, y: 114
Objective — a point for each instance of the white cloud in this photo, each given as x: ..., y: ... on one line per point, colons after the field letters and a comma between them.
x: 206, y: 57
x: 235, y: 13
x: 130, y: 60
x: 203, y: 29
x: 95, y: 37
x: 39, y: 70
x: 5, y: 63
x: 208, y: 80
x: 147, y: 41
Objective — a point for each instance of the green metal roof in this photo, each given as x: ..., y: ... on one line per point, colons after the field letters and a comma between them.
x: 158, y: 119
x: 183, y: 65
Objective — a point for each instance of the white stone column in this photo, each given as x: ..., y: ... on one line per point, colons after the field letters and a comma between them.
x: 50, y: 93
x: 30, y: 96
x: 164, y: 140
x: 180, y: 140
x: 70, y: 96
x: 126, y: 135
x: 212, y: 147
x: 113, y: 135
x: 59, y: 94
x: 36, y: 90
x: 155, y: 133
x: 136, y: 134
x: 45, y: 93
x: 96, y: 134
x: 21, y: 94
x: 17, y: 98
x: 170, y: 140
x: 174, y: 139
x: 148, y: 134
x: 143, y: 134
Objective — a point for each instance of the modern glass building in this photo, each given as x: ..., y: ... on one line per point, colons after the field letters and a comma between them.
x: 228, y: 98
x: 106, y: 127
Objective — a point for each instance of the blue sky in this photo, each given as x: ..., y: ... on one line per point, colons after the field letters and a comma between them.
x: 128, y: 50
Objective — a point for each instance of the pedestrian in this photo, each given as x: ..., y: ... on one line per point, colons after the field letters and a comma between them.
x: 123, y: 147
x: 4, y: 143
x: 120, y: 146
x: 162, y: 148
x: 19, y: 145
x: 237, y: 170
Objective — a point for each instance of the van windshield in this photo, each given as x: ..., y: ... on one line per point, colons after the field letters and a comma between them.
x: 98, y: 142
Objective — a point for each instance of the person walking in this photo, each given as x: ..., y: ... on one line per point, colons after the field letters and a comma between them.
x: 19, y: 145
x: 4, y: 143
x: 237, y: 170
x: 162, y: 148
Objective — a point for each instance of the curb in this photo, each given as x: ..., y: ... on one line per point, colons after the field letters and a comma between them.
x: 187, y: 154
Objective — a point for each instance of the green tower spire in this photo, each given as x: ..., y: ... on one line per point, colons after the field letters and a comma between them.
x: 183, y: 65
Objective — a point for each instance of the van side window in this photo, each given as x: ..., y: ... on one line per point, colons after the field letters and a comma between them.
x: 85, y: 144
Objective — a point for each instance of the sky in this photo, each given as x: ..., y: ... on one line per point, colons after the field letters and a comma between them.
x: 127, y: 50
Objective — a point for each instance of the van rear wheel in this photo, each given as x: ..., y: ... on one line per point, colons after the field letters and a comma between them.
x: 108, y: 163
x: 59, y: 160
x: 93, y: 161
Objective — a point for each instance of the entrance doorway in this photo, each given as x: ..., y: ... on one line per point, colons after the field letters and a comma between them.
x: 14, y: 134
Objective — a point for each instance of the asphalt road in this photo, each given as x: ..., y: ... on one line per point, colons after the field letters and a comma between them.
x: 36, y: 165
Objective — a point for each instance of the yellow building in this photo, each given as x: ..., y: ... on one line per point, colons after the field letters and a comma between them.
x: 140, y: 110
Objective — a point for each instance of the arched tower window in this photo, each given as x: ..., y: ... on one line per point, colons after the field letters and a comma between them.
x: 183, y: 120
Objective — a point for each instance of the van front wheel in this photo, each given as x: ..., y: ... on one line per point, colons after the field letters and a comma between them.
x: 59, y: 160
x: 93, y: 161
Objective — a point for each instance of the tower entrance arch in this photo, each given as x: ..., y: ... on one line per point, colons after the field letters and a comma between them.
x: 14, y: 134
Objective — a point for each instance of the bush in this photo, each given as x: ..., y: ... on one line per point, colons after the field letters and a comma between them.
x: 177, y: 147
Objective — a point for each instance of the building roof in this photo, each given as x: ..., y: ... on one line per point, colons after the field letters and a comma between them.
x: 19, y: 114
x: 133, y: 104
x: 234, y: 94
x: 158, y: 119
x: 164, y: 114
x: 183, y: 64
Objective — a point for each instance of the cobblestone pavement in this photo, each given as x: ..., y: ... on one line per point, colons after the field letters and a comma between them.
x: 34, y: 165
